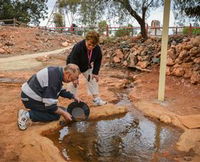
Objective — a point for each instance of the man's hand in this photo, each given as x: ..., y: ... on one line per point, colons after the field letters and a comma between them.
x: 65, y: 114
x: 95, y: 77
x: 76, y: 83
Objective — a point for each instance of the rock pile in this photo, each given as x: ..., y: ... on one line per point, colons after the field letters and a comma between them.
x: 132, y: 53
x: 183, y: 59
x: 19, y: 40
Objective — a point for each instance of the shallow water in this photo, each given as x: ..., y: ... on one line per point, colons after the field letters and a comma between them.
x: 131, y: 137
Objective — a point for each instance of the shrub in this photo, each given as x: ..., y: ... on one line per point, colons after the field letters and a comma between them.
x: 195, y: 31
x: 102, y: 26
x: 123, y: 31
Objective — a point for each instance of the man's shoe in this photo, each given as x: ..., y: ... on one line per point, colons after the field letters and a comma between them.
x: 99, y: 102
x: 23, y: 119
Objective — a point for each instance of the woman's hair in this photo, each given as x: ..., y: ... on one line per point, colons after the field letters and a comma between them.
x: 93, y: 36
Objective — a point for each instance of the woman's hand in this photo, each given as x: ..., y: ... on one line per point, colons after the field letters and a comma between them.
x: 95, y: 77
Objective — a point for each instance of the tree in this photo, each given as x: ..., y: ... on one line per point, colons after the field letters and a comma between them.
x: 186, y: 8
x: 190, y: 8
x: 89, y: 11
x: 26, y: 11
x: 102, y: 26
x: 58, y: 20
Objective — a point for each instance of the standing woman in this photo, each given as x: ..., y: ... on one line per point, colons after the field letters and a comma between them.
x: 87, y: 55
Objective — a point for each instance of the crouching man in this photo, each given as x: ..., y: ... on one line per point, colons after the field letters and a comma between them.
x: 40, y: 95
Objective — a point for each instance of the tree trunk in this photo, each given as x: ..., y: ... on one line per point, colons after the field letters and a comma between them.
x: 140, y: 20
x: 143, y: 29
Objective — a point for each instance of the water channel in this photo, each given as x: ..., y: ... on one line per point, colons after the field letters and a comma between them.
x: 131, y: 137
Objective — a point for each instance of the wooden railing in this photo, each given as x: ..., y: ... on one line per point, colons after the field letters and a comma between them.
x: 110, y: 30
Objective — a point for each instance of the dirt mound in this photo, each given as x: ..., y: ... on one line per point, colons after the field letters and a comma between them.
x: 19, y: 40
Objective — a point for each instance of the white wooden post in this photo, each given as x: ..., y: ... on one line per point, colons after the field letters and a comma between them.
x: 161, y: 89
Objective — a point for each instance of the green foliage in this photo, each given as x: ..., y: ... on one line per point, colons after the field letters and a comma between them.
x: 26, y: 11
x: 89, y: 12
x: 124, y: 31
x: 195, y: 31
x: 186, y: 8
x: 58, y: 20
x: 190, y: 8
x: 102, y: 26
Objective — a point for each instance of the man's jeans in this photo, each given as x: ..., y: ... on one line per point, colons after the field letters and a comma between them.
x: 37, y: 112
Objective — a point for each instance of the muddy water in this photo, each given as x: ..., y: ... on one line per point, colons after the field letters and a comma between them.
x: 131, y: 137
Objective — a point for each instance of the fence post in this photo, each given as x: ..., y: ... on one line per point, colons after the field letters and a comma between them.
x: 190, y: 30
x: 147, y: 29
x: 176, y: 30
x: 155, y: 31
x: 132, y: 31
x: 14, y: 22
x: 107, y: 31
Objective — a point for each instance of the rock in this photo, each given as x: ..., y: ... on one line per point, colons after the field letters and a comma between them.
x: 165, y: 119
x: 170, y: 61
x: 168, y: 70
x: 35, y: 49
x: 125, y: 63
x: 193, y: 51
x: 132, y: 60
x: 196, y: 67
x: 143, y: 64
x: 155, y: 60
x: 188, y: 69
x: 119, y: 54
x: 187, y: 158
x: 143, y: 53
x: 179, y: 71
x: 135, y: 52
x: 183, y: 54
x: 116, y: 59
x: 195, y: 78
x: 37, y: 34
x: 197, y: 60
x: 46, y: 39
x: 195, y: 41
x: 144, y: 58
x: 188, y: 73
x: 171, y: 53
x: 186, y: 39
x: 42, y: 58
x: 173, y: 42
x: 187, y: 46
x: 2, y: 51
x: 178, y: 61
x: 65, y: 44
x: 9, y: 43
x: 157, y: 54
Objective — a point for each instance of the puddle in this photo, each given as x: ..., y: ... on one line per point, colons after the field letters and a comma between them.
x: 131, y: 137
